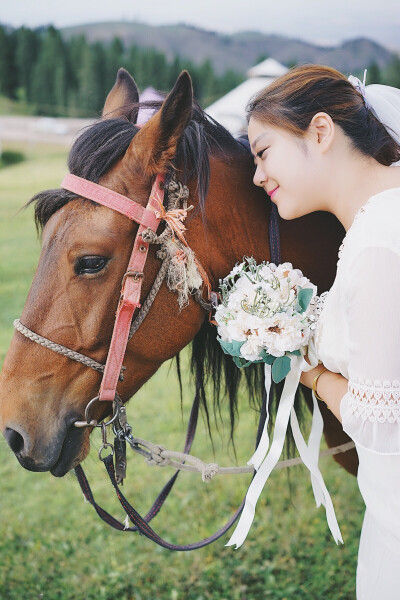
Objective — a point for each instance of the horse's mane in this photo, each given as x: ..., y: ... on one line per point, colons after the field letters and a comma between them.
x: 102, y: 144
x: 94, y: 152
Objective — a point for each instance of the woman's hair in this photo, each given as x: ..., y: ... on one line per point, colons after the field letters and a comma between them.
x: 291, y: 101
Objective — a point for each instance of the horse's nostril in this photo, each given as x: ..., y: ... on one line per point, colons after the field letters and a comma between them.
x: 14, y: 439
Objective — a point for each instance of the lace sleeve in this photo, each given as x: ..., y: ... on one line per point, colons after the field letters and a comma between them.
x: 370, y: 409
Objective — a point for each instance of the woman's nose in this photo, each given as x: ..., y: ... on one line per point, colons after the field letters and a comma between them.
x: 259, y: 177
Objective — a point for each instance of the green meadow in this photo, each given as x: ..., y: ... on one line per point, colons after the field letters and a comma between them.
x: 54, y: 547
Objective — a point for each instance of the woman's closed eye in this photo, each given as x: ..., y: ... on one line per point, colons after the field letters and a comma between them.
x: 261, y: 154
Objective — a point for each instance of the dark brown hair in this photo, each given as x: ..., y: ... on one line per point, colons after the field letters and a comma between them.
x: 291, y: 101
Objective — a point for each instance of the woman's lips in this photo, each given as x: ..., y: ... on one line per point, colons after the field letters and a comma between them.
x: 272, y: 192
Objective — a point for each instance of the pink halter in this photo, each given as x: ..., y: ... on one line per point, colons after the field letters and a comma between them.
x: 148, y: 217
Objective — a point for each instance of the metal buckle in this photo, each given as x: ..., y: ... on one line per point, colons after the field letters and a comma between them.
x: 136, y: 275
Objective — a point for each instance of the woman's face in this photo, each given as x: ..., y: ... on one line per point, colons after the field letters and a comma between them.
x: 287, y: 167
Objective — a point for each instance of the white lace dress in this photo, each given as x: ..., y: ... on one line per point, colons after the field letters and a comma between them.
x: 358, y: 335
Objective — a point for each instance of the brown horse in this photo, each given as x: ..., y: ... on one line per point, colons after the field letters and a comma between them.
x: 85, y: 250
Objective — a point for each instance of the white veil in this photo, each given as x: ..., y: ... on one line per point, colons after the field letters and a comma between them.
x: 384, y: 102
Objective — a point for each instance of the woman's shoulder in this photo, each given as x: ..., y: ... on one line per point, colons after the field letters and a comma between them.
x: 376, y: 225
x: 377, y: 222
x: 383, y: 203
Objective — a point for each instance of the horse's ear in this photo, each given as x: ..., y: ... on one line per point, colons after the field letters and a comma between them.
x: 154, y: 146
x: 123, y: 95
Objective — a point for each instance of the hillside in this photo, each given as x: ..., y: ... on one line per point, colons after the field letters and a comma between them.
x: 238, y: 51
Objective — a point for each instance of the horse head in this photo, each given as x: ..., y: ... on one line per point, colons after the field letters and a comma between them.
x: 75, y: 291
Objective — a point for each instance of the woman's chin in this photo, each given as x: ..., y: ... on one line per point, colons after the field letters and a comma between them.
x: 288, y: 213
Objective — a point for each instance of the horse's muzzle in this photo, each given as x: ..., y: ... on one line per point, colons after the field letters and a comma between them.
x: 57, y: 455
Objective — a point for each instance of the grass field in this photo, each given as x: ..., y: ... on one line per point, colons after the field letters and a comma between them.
x: 53, y: 546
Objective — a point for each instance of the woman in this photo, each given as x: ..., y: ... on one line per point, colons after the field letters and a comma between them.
x: 322, y: 142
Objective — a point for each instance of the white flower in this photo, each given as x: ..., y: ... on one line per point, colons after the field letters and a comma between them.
x: 236, y: 331
x: 267, y: 271
x: 283, y: 270
x: 223, y: 332
x: 236, y: 269
x: 251, y: 348
x: 259, y: 309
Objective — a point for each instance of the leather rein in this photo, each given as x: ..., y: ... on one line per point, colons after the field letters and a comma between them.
x: 148, y: 218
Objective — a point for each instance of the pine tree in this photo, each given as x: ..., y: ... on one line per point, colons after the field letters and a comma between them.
x: 73, y: 77
x: 373, y: 73
x: 391, y: 74
x: 50, y: 89
x: 8, y: 70
x: 27, y: 47
x: 135, y: 65
x: 114, y: 60
x: 77, y: 47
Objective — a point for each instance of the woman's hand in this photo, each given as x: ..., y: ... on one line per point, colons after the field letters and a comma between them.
x: 331, y: 387
x: 307, y: 377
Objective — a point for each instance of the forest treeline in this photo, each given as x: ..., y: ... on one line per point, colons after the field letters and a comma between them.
x: 49, y: 75
x: 53, y: 76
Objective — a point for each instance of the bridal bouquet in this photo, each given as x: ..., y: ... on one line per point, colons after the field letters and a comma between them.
x: 266, y: 315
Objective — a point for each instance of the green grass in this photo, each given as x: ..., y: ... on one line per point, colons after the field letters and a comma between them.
x: 14, y: 107
x: 53, y: 546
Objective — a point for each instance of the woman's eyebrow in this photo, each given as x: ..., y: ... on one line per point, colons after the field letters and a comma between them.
x: 258, y: 138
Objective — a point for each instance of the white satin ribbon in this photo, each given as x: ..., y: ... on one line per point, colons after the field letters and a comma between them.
x: 264, y: 460
x: 263, y: 444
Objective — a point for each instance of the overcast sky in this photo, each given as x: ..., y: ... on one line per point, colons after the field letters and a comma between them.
x: 319, y: 21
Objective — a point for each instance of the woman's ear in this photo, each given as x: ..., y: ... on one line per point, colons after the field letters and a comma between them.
x: 322, y: 130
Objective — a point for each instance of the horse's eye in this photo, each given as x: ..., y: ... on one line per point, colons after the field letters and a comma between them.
x: 90, y: 264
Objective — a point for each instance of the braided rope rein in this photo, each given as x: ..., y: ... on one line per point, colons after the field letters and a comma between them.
x: 59, y: 348
x: 159, y: 456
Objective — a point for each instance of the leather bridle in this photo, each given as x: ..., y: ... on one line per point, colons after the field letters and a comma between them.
x: 148, y: 218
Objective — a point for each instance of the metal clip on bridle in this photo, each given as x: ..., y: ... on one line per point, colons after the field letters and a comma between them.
x: 105, y: 444
x: 121, y: 430
x: 117, y: 406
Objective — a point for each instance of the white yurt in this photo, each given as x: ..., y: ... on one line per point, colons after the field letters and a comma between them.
x: 230, y: 110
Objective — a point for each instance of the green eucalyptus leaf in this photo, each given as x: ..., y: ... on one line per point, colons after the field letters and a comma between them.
x: 280, y: 368
x: 295, y: 353
x: 267, y: 358
x: 241, y: 362
x: 232, y: 348
x: 304, y: 296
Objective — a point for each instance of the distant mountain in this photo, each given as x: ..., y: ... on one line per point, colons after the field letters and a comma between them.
x: 238, y: 51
